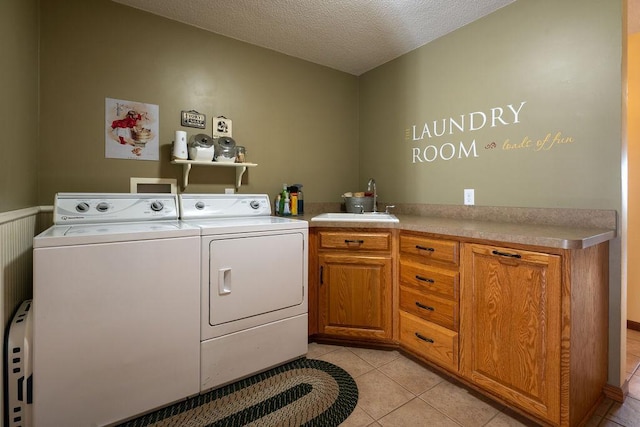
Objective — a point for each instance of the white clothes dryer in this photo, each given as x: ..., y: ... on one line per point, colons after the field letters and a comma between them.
x: 254, y: 285
x: 116, y: 305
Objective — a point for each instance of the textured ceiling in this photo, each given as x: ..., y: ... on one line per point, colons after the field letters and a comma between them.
x: 353, y: 36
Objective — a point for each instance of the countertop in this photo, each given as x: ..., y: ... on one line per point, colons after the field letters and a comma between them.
x: 547, y: 235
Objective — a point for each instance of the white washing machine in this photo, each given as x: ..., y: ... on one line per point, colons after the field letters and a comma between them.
x: 254, y: 312
x: 116, y: 305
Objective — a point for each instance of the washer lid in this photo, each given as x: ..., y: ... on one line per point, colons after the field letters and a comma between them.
x: 80, y: 234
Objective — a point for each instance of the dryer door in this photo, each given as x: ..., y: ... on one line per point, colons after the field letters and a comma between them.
x: 255, y: 275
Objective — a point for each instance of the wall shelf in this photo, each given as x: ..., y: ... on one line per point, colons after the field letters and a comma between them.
x: 241, y: 168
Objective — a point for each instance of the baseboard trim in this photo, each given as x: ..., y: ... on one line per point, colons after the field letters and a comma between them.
x: 633, y: 325
x: 617, y: 394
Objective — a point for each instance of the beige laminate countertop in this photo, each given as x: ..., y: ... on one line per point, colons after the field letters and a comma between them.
x: 554, y: 236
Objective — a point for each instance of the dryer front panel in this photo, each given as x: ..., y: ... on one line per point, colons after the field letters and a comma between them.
x: 253, y: 279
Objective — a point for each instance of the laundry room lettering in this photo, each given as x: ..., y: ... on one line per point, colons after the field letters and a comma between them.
x: 446, y: 151
x: 469, y: 122
x: 492, y: 117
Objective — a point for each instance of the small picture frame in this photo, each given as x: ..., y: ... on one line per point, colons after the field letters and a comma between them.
x: 193, y: 119
x: 221, y: 126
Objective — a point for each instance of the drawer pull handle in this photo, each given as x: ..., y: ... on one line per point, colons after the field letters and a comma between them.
x: 425, y: 279
x: 422, y: 248
x: 347, y: 241
x: 425, y: 307
x: 506, y: 254
x: 423, y: 338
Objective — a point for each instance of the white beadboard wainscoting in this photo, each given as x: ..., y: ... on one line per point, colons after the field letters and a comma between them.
x: 17, y: 229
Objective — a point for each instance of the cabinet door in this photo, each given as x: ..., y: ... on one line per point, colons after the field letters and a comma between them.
x: 511, y: 325
x: 355, y: 296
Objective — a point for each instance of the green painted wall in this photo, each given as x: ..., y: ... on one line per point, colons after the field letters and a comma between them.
x: 19, y: 106
x: 297, y: 120
x: 561, y: 58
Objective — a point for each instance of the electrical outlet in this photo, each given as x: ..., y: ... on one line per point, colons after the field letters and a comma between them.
x: 229, y: 190
x: 469, y: 196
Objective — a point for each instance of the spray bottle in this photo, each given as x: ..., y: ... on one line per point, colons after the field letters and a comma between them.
x: 283, y: 196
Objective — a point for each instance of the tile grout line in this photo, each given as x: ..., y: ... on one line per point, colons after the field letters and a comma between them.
x: 375, y: 368
x: 415, y: 396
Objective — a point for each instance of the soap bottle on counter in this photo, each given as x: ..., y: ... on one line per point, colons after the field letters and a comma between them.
x: 294, y: 204
x: 300, y: 200
x: 293, y: 198
x: 283, y: 196
x: 276, y: 205
x: 286, y: 211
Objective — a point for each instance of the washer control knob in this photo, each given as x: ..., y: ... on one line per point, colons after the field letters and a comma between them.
x: 254, y: 204
x: 102, y: 207
x: 82, y: 207
x: 199, y: 205
x: 157, y: 206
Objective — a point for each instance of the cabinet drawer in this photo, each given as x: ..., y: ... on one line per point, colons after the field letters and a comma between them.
x: 429, y: 340
x: 429, y: 279
x: 442, y: 311
x: 430, y: 249
x: 355, y: 240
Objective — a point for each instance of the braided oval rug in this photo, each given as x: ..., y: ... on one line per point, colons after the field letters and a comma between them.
x: 304, y: 392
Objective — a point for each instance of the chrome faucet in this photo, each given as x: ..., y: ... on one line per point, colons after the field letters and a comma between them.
x: 371, y: 186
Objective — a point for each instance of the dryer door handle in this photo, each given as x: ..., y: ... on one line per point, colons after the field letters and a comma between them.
x: 224, y: 281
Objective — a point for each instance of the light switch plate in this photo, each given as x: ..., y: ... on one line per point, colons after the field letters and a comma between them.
x: 469, y: 196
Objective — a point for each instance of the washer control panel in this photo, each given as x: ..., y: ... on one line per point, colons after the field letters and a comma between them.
x: 193, y: 206
x: 86, y: 208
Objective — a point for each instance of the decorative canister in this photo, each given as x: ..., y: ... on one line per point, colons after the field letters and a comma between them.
x: 226, y: 150
x: 241, y: 154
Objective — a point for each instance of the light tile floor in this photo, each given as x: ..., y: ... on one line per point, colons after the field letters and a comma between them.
x: 397, y: 391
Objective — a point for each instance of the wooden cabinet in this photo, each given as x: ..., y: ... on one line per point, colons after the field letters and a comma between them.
x: 354, y: 284
x: 524, y: 324
x: 523, y: 336
x: 429, y: 298
x: 512, y: 325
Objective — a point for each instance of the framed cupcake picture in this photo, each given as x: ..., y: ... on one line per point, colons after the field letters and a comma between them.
x: 131, y: 130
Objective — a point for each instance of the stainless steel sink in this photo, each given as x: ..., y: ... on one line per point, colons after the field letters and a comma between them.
x: 356, y: 217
